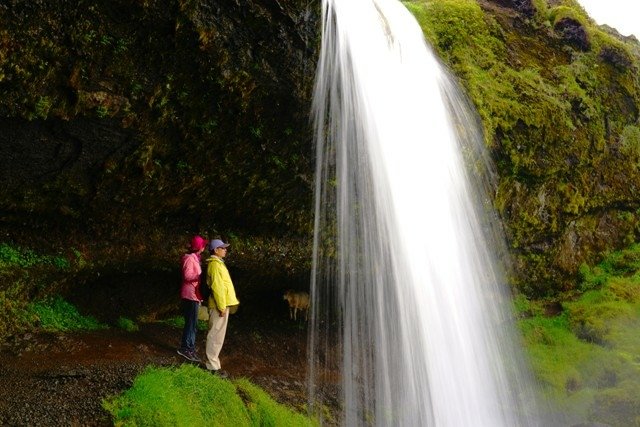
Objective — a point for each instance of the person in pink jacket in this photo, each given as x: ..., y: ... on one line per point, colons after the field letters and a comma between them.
x: 191, y: 298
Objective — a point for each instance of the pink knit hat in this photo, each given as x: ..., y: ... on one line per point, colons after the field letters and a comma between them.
x: 197, y: 243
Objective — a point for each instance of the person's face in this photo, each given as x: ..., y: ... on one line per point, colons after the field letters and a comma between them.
x: 220, y: 252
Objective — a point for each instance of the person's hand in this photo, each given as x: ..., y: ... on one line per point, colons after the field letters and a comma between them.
x: 222, y: 312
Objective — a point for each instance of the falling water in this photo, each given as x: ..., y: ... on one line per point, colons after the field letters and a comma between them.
x: 410, y: 323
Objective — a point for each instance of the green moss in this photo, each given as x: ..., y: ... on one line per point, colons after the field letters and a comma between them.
x: 618, y: 406
x: 573, y: 201
x: 624, y: 262
x: 25, y: 274
x: 558, y: 13
x: 264, y: 411
x: 554, y: 351
x: 541, y: 11
x: 592, y: 277
x: 587, y: 356
x: 630, y: 143
x: 577, y: 373
x: 14, y: 314
x: 42, y: 107
x: 591, y: 316
x: 127, y: 324
x: 16, y: 257
x: 475, y: 46
x: 57, y: 315
x: 157, y: 398
x: 553, y: 117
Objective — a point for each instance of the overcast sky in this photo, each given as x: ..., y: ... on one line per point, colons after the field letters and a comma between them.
x: 623, y: 15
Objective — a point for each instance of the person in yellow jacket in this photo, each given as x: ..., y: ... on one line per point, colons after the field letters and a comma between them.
x: 222, y: 300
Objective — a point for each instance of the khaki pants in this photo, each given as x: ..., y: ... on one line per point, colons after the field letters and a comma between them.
x: 215, y: 338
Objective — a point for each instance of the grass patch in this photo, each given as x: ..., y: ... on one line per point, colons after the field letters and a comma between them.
x: 24, y: 276
x: 57, y: 315
x: 188, y: 396
x: 621, y: 264
x: 588, y: 357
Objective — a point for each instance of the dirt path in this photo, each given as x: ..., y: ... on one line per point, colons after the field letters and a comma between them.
x: 60, y: 379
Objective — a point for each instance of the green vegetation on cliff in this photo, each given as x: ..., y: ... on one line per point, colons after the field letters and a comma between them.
x: 24, y: 274
x: 585, y: 349
x: 559, y: 99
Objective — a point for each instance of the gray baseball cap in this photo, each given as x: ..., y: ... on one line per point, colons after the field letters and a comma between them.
x: 217, y: 243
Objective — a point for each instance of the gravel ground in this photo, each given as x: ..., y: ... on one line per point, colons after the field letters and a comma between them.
x: 60, y: 379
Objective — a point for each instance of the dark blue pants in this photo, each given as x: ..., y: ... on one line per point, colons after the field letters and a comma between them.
x: 190, y: 313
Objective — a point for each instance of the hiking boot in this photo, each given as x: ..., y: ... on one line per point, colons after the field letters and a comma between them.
x: 220, y: 373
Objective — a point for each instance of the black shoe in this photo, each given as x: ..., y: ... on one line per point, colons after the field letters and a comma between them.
x: 220, y: 373
x: 194, y: 357
x: 189, y: 355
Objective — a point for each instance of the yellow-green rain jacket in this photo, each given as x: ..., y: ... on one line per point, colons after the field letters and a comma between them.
x: 223, y: 293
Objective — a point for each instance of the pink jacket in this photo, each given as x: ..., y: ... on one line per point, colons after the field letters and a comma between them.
x: 191, y: 271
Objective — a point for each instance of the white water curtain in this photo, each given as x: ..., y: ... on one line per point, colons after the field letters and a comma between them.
x: 410, y: 325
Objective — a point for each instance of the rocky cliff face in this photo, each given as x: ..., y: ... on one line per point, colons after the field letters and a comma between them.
x: 150, y: 117
x: 127, y: 116
x: 559, y: 99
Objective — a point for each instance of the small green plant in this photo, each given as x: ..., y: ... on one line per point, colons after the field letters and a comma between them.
x: 127, y: 324
x: 136, y: 88
x: 43, y: 105
x: 209, y: 126
x: 592, y: 278
x: 89, y: 36
x: 256, y: 131
x: 176, y: 322
x: 121, y: 46
x: 182, y: 165
x: 106, y: 40
x: 81, y: 262
x: 102, y: 111
x: 57, y: 315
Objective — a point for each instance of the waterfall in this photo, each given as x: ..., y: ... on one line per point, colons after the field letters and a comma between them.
x: 411, y: 322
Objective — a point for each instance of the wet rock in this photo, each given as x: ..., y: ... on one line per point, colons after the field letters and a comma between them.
x: 616, y: 57
x: 573, y: 33
x: 524, y: 7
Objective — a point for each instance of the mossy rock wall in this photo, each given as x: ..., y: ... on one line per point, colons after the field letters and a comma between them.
x: 559, y: 99
x: 127, y: 117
